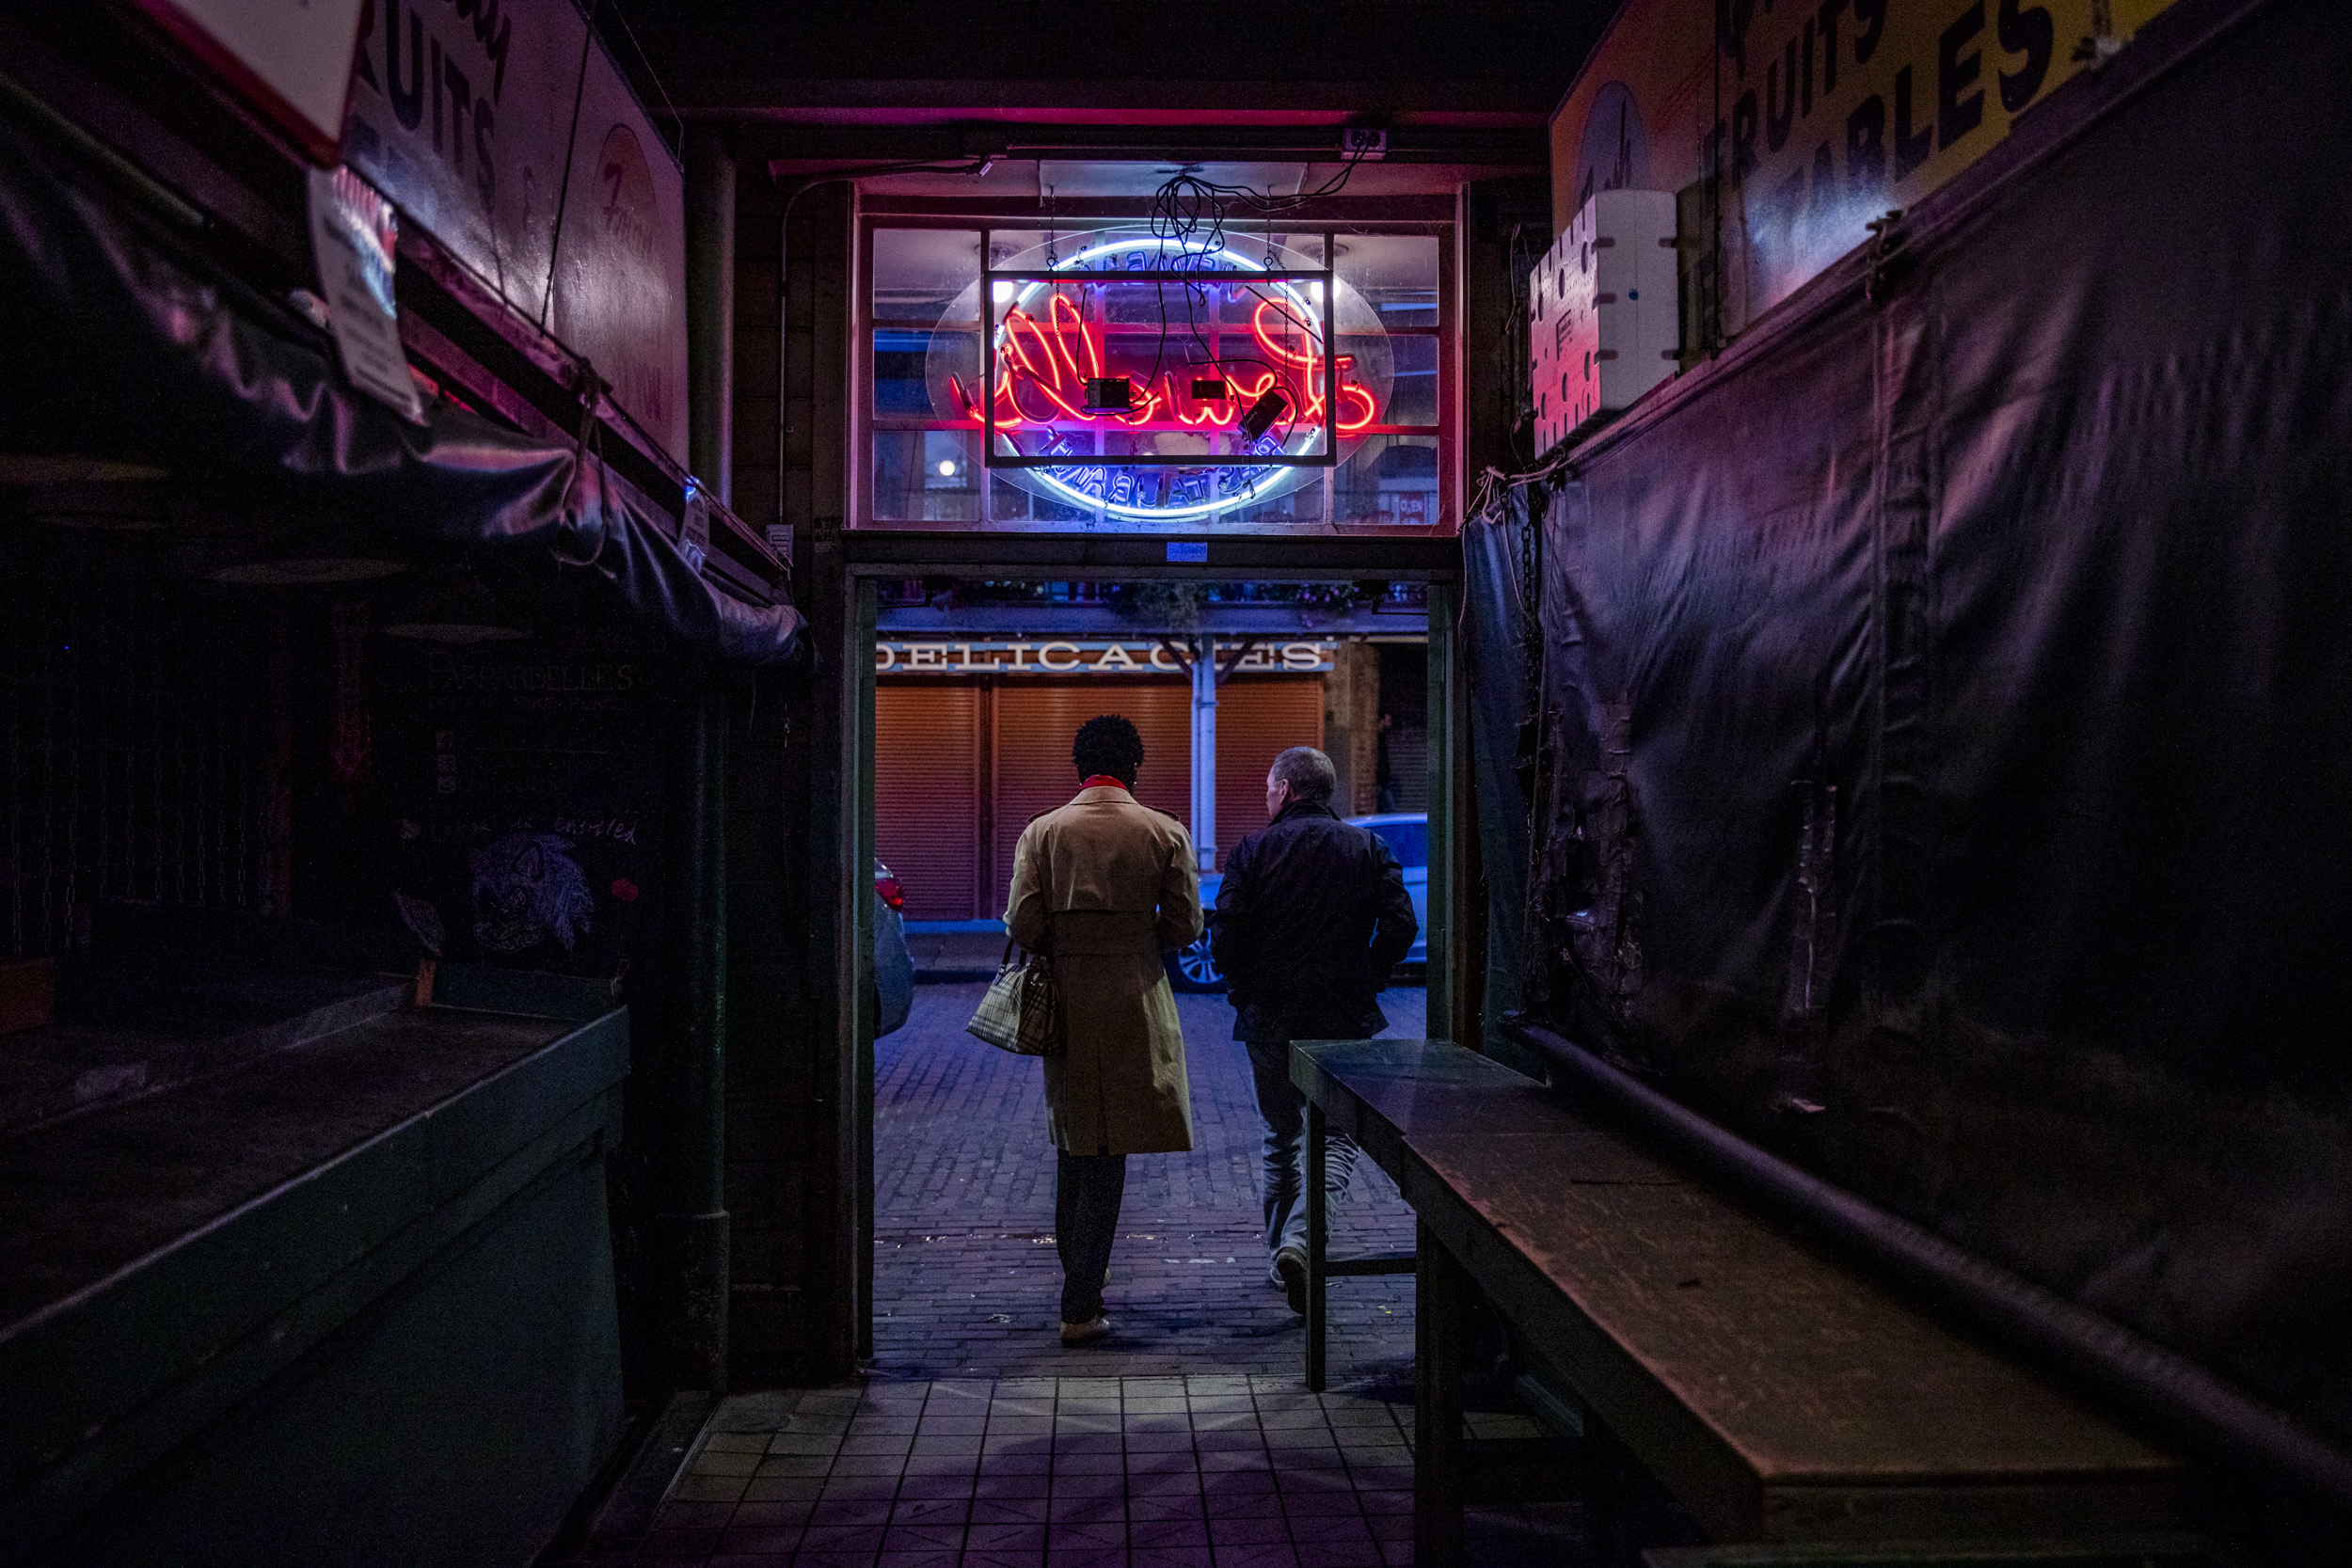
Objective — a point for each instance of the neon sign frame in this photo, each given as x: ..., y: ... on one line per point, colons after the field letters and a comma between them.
x: 1236, y: 264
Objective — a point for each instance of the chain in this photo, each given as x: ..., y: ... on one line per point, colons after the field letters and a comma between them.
x: 1531, y: 601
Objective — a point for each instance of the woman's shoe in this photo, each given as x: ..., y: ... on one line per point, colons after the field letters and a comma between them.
x: 1085, y: 1333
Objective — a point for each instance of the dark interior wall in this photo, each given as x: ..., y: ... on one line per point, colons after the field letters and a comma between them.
x: 1946, y: 716
x: 798, y: 1302
x: 758, y: 346
x: 1506, y: 229
x: 145, y: 744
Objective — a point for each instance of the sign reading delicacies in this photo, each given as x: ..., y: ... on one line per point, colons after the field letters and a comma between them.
x: 1822, y: 115
x: 469, y: 115
x: 1086, y: 657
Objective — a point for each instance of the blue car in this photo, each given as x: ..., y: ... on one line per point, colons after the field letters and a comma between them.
x: 1406, y: 833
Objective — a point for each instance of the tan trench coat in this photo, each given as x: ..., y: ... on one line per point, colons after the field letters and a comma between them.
x: 1103, y: 886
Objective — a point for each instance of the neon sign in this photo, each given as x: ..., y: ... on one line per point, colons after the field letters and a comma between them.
x: 1054, y: 333
x: 1037, y: 355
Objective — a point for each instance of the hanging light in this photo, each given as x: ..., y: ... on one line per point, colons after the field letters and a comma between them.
x: 34, y: 470
x: 448, y: 604
x: 102, y: 506
x: 308, y: 563
x: 308, y: 552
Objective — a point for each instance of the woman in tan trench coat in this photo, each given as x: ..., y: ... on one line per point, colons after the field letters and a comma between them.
x: 1103, y: 887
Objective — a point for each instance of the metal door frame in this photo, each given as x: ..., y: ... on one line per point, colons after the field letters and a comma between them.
x: 1241, y: 556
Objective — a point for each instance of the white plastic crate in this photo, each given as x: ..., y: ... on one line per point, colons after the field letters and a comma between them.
x: 1603, y: 325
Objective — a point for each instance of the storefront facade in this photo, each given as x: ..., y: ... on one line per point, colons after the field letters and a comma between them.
x: 963, y: 761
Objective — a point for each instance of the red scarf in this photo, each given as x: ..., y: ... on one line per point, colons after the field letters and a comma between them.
x: 1099, y: 780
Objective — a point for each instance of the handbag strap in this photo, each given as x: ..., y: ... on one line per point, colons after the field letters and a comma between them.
x: 1039, y: 950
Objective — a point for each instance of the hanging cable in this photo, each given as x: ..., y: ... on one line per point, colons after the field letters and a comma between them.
x: 1189, y: 212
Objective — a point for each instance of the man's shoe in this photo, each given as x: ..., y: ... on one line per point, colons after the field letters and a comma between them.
x: 1086, y: 1333
x: 1291, y: 1266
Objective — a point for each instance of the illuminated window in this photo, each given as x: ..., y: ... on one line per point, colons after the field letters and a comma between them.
x: 1243, y: 331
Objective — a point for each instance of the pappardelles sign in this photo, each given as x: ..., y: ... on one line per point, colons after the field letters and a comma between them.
x: 1088, y: 657
x: 504, y: 128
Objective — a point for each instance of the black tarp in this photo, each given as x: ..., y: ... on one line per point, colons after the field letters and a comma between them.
x: 1945, y: 773
x: 1496, y: 549
x: 120, y: 343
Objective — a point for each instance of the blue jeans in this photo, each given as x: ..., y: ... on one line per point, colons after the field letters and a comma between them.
x: 1282, y: 1110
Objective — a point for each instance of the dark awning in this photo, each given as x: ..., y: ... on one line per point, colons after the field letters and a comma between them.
x: 121, y: 342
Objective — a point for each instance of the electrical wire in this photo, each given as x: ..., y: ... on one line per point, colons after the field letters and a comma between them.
x: 1182, y: 208
x: 1188, y: 212
x: 563, y: 190
x: 654, y: 76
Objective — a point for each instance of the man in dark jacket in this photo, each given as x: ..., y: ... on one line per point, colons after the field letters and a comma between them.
x: 1310, y: 917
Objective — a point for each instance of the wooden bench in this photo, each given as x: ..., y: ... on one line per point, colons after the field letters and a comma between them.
x: 1775, y: 1390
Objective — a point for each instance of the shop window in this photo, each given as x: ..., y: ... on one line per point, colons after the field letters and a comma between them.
x: 1246, y: 330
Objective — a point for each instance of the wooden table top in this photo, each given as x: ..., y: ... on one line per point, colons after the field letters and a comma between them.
x: 1776, y: 1387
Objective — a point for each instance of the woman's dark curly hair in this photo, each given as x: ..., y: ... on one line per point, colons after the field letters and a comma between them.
x: 1107, y: 744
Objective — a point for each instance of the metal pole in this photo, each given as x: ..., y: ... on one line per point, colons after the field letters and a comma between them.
x: 710, y: 309
x: 1318, y: 1246
x: 1204, y: 751
x: 1442, y: 1297
x: 1445, y: 955
x: 695, y: 1218
x: 862, y: 990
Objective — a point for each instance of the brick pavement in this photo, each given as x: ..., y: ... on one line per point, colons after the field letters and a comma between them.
x: 965, y: 1279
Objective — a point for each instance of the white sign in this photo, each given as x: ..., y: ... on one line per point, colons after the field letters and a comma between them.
x: 353, y: 233
x: 289, y: 59
x: 1086, y: 657
x: 490, y: 124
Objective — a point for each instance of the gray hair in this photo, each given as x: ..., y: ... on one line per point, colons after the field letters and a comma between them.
x: 1309, y: 774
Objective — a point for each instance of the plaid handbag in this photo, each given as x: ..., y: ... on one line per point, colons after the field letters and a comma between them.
x: 1022, y: 1011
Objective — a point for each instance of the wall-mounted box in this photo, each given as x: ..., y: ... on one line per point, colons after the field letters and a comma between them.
x: 1603, y: 320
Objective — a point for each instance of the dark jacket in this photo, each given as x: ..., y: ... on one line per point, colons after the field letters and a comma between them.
x: 1312, y: 916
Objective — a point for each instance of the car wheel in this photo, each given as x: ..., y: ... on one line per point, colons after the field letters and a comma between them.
x: 1191, y: 969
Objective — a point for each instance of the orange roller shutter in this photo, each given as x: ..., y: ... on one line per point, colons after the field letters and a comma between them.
x: 1036, y: 722
x: 927, y: 796
x: 1258, y: 720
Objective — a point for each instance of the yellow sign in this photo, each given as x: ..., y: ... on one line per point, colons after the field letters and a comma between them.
x: 1822, y: 115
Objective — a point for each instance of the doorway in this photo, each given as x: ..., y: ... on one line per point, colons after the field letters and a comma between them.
x: 957, y: 746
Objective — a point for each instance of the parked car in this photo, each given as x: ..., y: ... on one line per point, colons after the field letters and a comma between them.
x: 893, y: 966
x: 1406, y: 833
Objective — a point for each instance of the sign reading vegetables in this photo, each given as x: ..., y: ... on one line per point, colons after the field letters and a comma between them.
x: 1817, y: 115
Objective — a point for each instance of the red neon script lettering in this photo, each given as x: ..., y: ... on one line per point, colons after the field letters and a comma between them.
x: 1048, y: 360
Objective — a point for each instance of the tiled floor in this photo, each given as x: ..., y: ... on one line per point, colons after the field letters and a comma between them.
x: 1187, y: 1439
x: 1214, y: 1470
